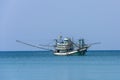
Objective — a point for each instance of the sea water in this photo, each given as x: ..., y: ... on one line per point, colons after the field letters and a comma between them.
x: 43, y: 65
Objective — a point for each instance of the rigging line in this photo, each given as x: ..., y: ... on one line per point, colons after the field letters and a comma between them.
x: 94, y: 43
x: 32, y: 45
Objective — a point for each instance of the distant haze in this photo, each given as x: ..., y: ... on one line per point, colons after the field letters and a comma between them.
x: 41, y: 21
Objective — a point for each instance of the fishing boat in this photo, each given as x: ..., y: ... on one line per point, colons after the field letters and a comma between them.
x: 65, y: 46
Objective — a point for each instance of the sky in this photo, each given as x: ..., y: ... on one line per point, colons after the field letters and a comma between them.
x: 41, y: 21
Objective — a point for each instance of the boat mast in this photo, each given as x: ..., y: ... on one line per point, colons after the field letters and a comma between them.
x: 81, y: 43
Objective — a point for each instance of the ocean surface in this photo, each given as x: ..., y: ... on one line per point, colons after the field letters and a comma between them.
x: 43, y: 65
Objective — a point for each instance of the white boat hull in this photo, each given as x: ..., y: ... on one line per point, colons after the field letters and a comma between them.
x: 66, y: 53
x: 80, y: 52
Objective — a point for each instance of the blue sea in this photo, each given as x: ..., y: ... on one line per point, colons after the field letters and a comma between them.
x: 43, y: 65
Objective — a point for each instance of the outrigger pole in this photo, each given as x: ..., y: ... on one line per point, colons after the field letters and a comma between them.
x: 94, y: 43
x: 33, y: 45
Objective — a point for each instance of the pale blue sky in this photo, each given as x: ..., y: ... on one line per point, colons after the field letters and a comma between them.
x: 41, y: 21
